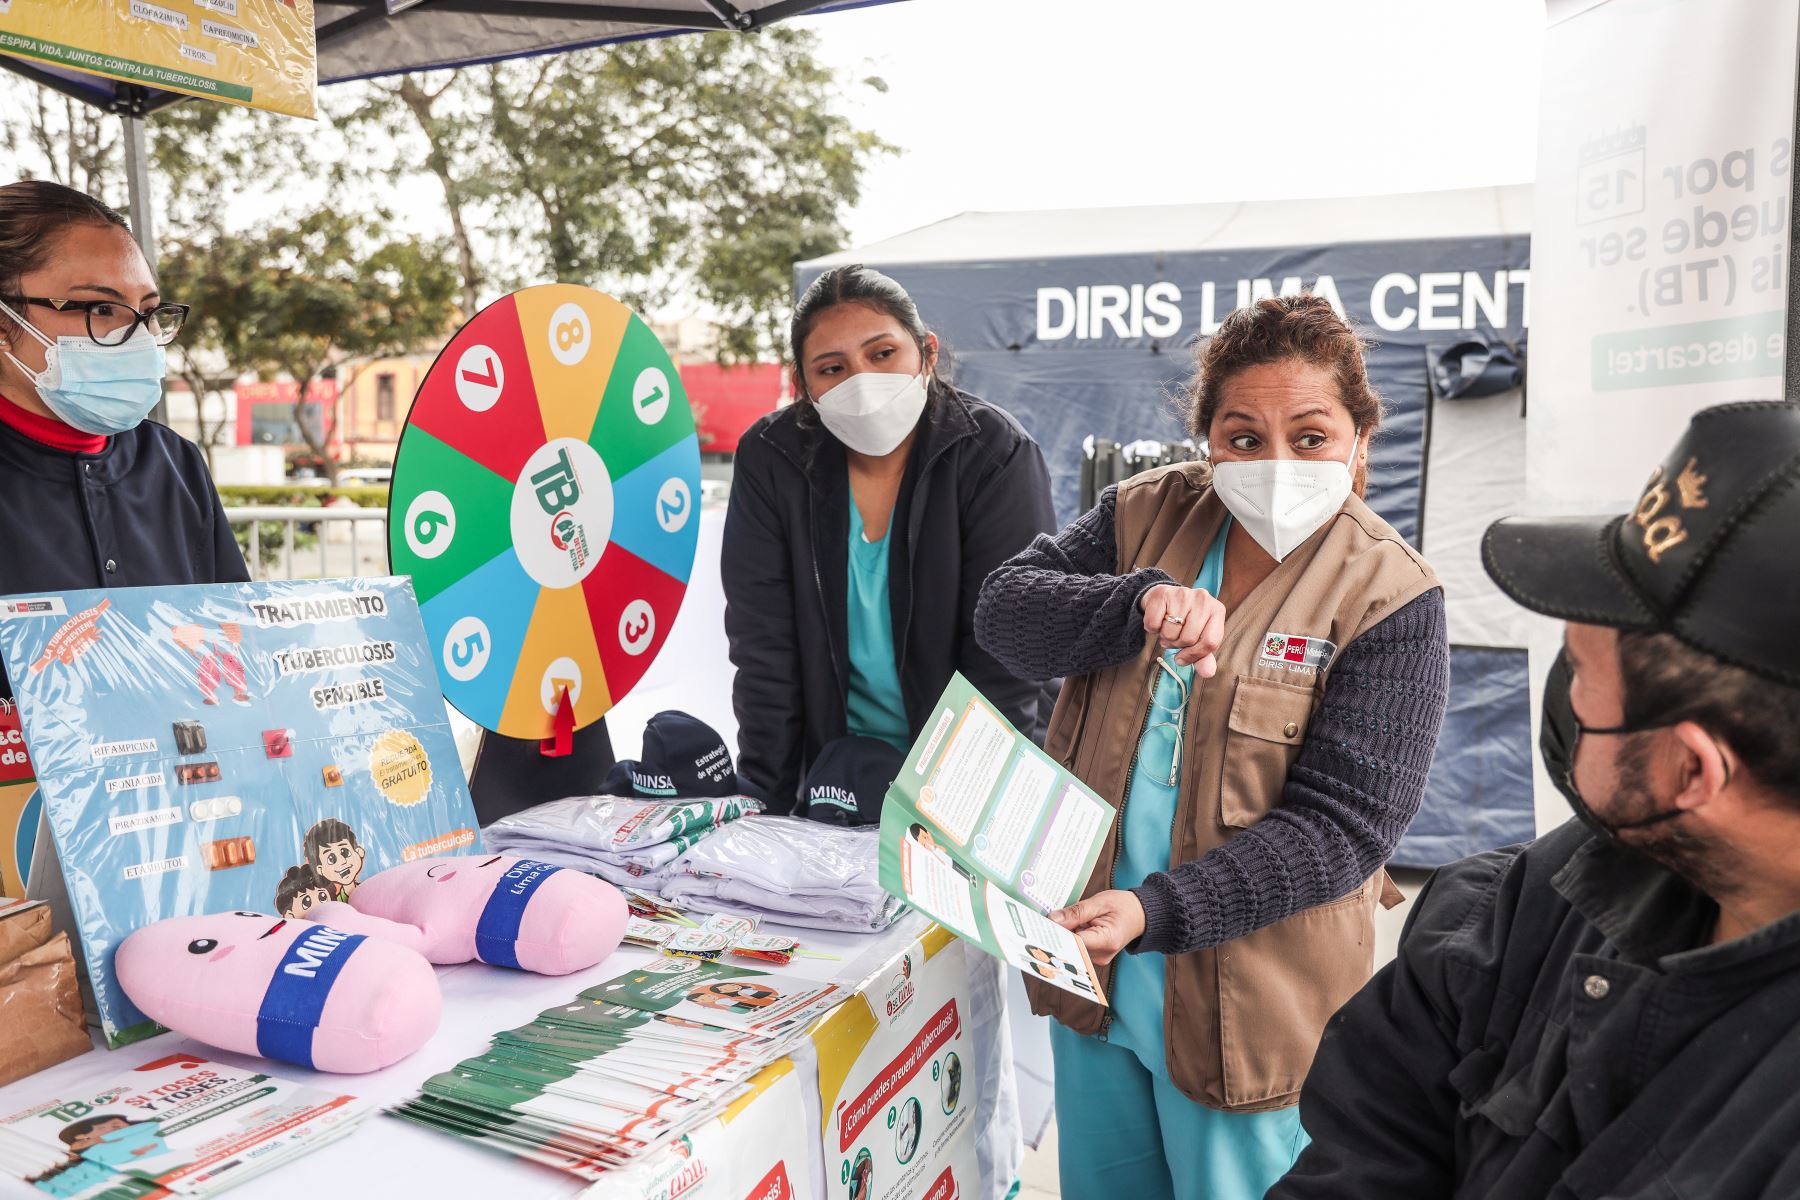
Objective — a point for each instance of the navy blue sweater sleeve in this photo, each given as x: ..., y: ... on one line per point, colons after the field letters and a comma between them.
x: 1348, y: 799
x: 1055, y: 608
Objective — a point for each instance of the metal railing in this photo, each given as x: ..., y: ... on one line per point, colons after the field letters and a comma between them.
x: 342, y: 547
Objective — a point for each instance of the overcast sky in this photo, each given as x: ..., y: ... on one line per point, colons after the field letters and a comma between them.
x: 1009, y: 104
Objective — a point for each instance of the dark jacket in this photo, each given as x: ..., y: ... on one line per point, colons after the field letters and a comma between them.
x: 142, y: 511
x: 975, y: 492
x: 1556, y: 1025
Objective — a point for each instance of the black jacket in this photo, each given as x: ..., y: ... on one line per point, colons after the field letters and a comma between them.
x: 142, y: 511
x: 1556, y: 1025
x: 975, y: 492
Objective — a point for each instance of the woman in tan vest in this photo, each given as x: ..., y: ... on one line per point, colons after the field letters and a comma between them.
x: 1257, y: 670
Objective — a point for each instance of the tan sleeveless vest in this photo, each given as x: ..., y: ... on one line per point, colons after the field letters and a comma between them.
x: 1242, y: 1020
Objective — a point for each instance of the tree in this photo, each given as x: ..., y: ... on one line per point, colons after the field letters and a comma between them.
x: 328, y: 292
x: 207, y: 270
x: 75, y: 144
x: 704, y: 166
x: 202, y: 154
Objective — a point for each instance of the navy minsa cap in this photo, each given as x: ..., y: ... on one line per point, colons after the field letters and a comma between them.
x: 684, y: 758
x: 849, y: 780
x: 1710, y: 554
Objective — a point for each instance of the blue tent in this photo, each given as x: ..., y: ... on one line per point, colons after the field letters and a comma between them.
x: 1083, y: 323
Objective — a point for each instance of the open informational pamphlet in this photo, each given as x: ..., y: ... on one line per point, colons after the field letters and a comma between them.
x: 985, y: 833
x: 180, y: 1126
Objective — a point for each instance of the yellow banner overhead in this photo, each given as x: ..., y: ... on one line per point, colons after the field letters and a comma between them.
x: 259, y: 53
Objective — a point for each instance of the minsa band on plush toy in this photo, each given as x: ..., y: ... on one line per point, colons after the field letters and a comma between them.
x: 291, y: 990
x: 509, y: 912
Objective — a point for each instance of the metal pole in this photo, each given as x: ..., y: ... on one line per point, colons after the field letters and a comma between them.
x: 143, y: 223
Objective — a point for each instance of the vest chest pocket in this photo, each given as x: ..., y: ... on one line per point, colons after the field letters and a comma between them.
x: 1267, y: 727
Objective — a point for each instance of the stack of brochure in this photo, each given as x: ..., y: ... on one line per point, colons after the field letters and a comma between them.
x: 625, y: 1067
x: 179, y: 1126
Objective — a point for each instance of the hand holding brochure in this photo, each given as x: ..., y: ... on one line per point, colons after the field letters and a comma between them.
x: 985, y: 833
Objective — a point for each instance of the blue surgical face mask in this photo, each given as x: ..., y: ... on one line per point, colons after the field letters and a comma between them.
x: 94, y: 388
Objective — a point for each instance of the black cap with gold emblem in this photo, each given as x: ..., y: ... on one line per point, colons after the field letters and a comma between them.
x: 1710, y: 554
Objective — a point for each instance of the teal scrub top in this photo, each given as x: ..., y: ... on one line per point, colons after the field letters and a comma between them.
x: 1137, y: 990
x: 876, y: 708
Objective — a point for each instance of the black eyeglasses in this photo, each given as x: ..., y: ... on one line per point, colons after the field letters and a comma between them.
x: 111, y: 323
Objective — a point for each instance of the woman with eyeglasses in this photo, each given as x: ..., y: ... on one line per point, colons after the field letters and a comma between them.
x: 92, y: 495
x: 1256, y: 673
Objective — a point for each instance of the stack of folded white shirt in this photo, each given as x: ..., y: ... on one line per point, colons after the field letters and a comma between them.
x: 791, y: 871
x: 629, y: 842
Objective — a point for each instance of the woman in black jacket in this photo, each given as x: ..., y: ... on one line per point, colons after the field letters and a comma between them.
x: 863, y: 519
x: 93, y: 495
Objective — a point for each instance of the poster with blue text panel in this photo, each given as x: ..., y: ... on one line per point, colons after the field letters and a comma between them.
x: 256, y: 746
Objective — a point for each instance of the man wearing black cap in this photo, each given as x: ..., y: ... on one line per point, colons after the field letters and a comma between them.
x: 1614, y: 1009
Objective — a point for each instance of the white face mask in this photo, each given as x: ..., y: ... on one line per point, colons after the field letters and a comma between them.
x: 874, y: 411
x: 1282, y: 502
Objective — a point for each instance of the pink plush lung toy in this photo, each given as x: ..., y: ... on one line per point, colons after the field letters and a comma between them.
x: 292, y: 990
x: 510, y: 912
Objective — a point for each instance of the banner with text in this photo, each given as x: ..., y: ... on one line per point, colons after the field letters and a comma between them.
x: 259, y: 53
x: 1660, y: 244
x: 898, y: 1122
x: 261, y: 746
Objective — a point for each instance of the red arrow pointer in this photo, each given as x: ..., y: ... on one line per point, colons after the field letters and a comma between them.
x: 562, y: 738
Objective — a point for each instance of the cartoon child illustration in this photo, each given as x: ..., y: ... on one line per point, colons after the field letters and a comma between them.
x: 299, y: 890
x: 1043, y: 957
x: 115, y: 1141
x: 733, y: 997
x: 921, y: 837
x: 99, y: 1146
x: 1075, y: 979
x: 218, y: 660
x: 76, y: 1177
x: 332, y: 850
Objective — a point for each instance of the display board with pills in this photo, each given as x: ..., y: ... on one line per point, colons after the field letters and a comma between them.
x: 544, y: 501
x: 251, y: 746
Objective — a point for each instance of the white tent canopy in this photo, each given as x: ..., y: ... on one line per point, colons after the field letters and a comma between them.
x: 1147, y: 229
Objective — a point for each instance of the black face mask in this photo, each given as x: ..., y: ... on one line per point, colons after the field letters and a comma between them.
x: 1558, y: 737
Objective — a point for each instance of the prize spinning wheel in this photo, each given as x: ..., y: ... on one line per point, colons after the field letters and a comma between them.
x: 544, y: 502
